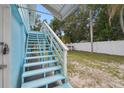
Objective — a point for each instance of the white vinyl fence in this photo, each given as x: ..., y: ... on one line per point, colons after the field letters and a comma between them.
x: 107, y: 47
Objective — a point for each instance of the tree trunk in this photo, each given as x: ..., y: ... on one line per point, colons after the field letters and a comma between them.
x: 91, y: 31
x: 121, y: 19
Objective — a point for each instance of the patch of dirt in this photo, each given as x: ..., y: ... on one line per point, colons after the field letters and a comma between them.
x: 85, y: 76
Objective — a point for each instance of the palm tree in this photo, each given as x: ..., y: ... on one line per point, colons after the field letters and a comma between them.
x: 113, y: 9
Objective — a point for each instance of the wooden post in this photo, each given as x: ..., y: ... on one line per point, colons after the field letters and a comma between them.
x: 91, y: 31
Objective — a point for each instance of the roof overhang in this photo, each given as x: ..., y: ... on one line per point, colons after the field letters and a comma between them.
x: 61, y: 11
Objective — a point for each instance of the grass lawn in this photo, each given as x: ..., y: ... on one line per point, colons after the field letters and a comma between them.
x: 87, y: 69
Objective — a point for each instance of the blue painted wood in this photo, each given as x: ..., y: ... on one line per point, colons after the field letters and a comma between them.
x: 40, y: 71
x: 65, y: 85
x: 47, y: 56
x: 44, y: 52
x: 35, y: 39
x: 39, y: 52
x: 38, y: 44
x: 41, y: 82
x: 38, y: 47
x: 40, y: 63
x: 35, y: 33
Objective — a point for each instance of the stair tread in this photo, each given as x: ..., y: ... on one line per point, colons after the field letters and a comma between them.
x: 44, y: 38
x: 36, y: 40
x: 40, y: 71
x: 39, y: 63
x: 65, y: 85
x: 41, y: 82
x: 33, y: 48
x: 38, y: 52
x: 39, y: 44
x: 38, y: 47
x: 35, y: 33
x: 40, y: 56
x: 32, y: 40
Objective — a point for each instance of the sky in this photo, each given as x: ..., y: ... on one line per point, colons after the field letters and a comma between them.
x: 44, y: 16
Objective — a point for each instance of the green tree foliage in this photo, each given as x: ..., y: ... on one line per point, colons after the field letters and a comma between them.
x: 102, y: 30
x: 76, y: 26
x: 38, y: 23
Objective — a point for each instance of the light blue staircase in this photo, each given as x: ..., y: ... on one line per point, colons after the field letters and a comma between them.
x: 42, y: 67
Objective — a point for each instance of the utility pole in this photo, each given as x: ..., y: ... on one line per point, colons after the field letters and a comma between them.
x: 91, y: 30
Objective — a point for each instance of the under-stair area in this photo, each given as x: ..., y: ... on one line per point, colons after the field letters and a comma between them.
x: 42, y: 67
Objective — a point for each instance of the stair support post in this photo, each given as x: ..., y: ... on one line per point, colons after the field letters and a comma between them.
x: 65, y: 63
x: 51, y: 42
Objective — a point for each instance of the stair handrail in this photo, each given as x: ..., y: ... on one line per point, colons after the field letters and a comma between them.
x: 57, y: 38
x: 57, y: 44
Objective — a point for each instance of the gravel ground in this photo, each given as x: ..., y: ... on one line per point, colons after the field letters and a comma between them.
x: 96, y: 70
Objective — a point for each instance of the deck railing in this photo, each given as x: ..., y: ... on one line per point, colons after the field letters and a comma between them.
x: 58, y: 46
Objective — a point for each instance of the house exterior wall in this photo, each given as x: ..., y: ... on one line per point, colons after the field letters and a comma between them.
x: 19, y: 28
x: 107, y: 47
x: 24, y: 13
x: 28, y: 14
x: 17, y: 48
